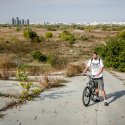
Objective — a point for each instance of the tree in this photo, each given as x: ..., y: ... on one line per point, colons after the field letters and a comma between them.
x: 49, y: 35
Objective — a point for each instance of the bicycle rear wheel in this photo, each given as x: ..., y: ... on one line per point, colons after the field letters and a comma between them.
x: 86, y: 96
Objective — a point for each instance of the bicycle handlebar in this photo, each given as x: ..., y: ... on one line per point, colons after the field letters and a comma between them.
x: 91, y: 76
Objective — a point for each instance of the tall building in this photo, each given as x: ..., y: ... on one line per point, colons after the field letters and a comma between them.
x: 20, y: 23
x: 28, y: 22
x: 23, y: 22
x: 17, y: 21
x: 13, y: 21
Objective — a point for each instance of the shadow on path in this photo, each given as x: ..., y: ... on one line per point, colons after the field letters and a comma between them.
x: 111, y: 97
x: 55, y: 95
x: 116, y: 95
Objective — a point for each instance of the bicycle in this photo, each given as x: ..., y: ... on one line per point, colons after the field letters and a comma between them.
x: 89, y: 92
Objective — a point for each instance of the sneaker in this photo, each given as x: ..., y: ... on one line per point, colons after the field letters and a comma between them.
x: 97, y: 99
x: 106, y: 104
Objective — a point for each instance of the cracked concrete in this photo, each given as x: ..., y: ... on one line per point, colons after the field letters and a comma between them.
x: 63, y: 106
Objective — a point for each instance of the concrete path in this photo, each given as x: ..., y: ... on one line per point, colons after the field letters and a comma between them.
x: 8, y: 87
x: 63, y: 106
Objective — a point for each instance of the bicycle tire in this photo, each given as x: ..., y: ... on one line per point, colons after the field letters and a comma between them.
x: 93, y: 95
x: 86, y: 95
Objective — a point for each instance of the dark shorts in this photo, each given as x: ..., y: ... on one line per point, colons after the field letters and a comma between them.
x: 99, y: 82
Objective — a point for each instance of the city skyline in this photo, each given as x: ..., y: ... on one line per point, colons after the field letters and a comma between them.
x: 18, y: 21
x: 64, y: 11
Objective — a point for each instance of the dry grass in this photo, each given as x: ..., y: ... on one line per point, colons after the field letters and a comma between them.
x: 47, y: 83
x: 74, y: 69
x: 13, y: 42
x: 19, y: 48
x: 2, y: 116
x: 36, y: 69
x: 5, y: 66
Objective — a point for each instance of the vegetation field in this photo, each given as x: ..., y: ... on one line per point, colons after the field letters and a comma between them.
x: 48, y: 48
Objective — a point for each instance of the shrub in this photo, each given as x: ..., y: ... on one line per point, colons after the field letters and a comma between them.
x: 29, y: 34
x: 72, y: 70
x: 49, y: 35
x: 121, y: 34
x: 28, y: 93
x: 113, y: 53
x: 67, y: 36
x: 21, y: 73
x: 37, y: 55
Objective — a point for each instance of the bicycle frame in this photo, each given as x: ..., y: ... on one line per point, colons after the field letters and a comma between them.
x: 91, y: 82
x: 89, y: 92
x: 92, y: 86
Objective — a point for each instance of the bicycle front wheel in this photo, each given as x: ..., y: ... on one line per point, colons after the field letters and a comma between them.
x: 86, y: 96
x: 93, y: 95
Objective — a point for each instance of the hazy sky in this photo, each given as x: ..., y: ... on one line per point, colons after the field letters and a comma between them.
x: 63, y: 10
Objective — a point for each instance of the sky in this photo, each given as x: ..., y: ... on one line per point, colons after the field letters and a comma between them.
x: 63, y: 10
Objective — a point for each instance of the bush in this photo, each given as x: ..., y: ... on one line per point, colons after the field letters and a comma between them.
x: 21, y: 73
x: 28, y: 92
x: 29, y: 34
x: 32, y: 35
x: 67, y: 36
x: 49, y: 35
x: 113, y: 53
x: 37, y: 55
x: 121, y: 34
